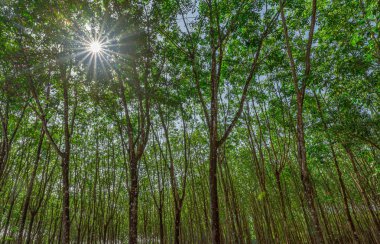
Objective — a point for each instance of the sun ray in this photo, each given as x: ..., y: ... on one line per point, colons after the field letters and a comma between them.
x: 85, y: 57
x: 104, y: 64
x: 99, y: 50
x: 110, y: 53
x: 95, y: 60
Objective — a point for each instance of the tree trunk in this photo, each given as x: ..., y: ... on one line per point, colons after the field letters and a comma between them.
x: 30, y: 190
x: 214, y: 192
x: 283, y: 207
x: 362, y: 189
x: 5, y: 231
x: 161, y: 225
x: 29, y: 236
x: 65, y: 167
x: 316, y: 231
x: 133, y: 203
x: 3, y: 158
x: 339, y: 172
x: 66, y: 200
x: 177, y: 230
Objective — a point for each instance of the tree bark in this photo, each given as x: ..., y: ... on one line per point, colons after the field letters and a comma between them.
x: 65, y: 166
x: 66, y: 200
x: 214, y: 195
x: 177, y: 230
x: 161, y: 225
x: 316, y: 230
x: 133, y: 202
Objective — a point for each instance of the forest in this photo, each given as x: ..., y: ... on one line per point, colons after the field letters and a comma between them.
x: 190, y: 121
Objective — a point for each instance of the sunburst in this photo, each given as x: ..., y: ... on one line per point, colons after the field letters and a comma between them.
x: 94, y: 51
x: 95, y: 47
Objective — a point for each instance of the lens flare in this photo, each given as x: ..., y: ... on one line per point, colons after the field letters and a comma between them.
x: 95, y: 47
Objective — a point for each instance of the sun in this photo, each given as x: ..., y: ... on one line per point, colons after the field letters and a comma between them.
x: 96, y: 50
x: 95, y: 47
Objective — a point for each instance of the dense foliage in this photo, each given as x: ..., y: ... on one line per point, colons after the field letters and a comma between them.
x: 211, y: 121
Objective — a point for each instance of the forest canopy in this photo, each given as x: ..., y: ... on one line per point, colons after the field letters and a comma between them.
x: 189, y: 121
